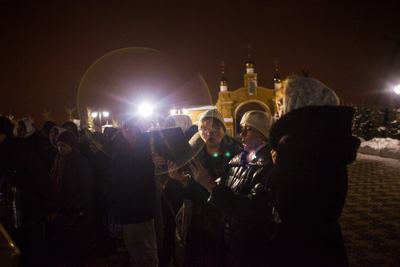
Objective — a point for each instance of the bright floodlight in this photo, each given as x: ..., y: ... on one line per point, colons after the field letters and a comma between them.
x: 172, y: 111
x: 397, y: 89
x: 145, y: 109
x: 185, y: 111
x: 94, y: 114
x: 106, y: 113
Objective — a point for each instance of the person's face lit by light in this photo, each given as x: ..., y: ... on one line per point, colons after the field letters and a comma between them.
x: 211, y: 132
x: 251, y: 137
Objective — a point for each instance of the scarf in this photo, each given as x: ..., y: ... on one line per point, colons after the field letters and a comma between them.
x: 60, y: 166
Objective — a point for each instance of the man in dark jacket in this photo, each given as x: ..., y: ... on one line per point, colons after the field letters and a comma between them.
x: 133, y: 191
x: 37, y: 197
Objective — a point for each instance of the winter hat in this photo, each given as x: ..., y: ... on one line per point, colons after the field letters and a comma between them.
x: 99, y: 138
x: 60, y: 129
x: 6, y: 126
x: 47, y: 126
x: 68, y: 138
x: 301, y: 91
x: 72, y: 125
x: 260, y: 120
x: 181, y: 120
x: 213, y: 113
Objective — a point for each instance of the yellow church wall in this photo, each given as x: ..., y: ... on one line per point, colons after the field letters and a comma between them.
x: 230, y: 103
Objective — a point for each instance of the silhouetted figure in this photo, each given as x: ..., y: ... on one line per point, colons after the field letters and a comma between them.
x: 313, y: 143
x: 72, y: 176
x: 133, y: 192
x: 32, y: 202
x: 100, y: 163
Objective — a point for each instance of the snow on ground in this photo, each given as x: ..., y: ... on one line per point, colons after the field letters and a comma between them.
x: 383, y: 147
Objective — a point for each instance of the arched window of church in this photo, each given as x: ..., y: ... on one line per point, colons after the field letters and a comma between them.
x: 251, y: 88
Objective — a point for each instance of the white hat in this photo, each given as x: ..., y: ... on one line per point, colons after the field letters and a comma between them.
x: 260, y: 120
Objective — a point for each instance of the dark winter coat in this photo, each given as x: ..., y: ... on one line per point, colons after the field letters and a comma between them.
x: 246, y: 208
x: 133, y: 184
x: 42, y: 146
x: 314, y: 145
x: 37, y: 193
x: 203, y: 230
x: 73, y: 178
x: 100, y: 164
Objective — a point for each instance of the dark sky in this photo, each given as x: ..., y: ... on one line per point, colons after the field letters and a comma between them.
x: 46, y: 47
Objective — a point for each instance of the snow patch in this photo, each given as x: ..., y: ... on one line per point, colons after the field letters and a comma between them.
x: 384, y: 147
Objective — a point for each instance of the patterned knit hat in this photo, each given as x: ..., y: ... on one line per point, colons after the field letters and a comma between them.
x: 301, y: 91
x: 213, y: 113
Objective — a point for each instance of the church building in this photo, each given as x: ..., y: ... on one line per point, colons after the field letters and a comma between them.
x: 233, y: 104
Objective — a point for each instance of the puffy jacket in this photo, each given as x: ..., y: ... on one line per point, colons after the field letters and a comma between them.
x: 203, y: 229
x: 245, y: 203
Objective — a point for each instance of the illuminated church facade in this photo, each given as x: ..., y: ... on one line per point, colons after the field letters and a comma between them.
x: 233, y: 104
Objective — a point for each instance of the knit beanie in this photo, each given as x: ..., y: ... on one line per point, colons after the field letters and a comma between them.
x: 301, y: 91
x: 213, y: 113
x: 260, y: 120
x: 99, y: 138
x: 68, y: 138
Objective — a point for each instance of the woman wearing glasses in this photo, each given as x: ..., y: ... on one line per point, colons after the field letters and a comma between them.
x: 197, y: 221
x: 240, y: 194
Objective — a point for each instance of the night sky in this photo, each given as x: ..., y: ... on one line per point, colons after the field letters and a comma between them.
x: 46, y: 47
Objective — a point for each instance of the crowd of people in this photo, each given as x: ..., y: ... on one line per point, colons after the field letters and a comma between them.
x: 272, y: 198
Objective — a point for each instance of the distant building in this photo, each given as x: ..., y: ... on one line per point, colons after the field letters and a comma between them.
x: 233, y: 104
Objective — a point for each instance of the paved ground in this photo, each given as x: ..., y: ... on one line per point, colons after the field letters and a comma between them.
x: 370, y: 220
x: 371, y: 217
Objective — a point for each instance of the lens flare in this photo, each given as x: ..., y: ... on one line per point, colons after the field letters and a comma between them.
x: 122, y: 80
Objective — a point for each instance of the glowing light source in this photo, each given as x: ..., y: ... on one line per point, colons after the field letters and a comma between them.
x: 215, y: 155
x: 185, y: 111
x: 145, y: 109
x: 397, y: 89
x: 100, y: 114
x: 172, y: 111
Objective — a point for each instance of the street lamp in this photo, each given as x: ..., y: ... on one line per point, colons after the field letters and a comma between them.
x: 397, y: 89
x: 176, y: 110
x: 100, y: 114
x: 145, y: 110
